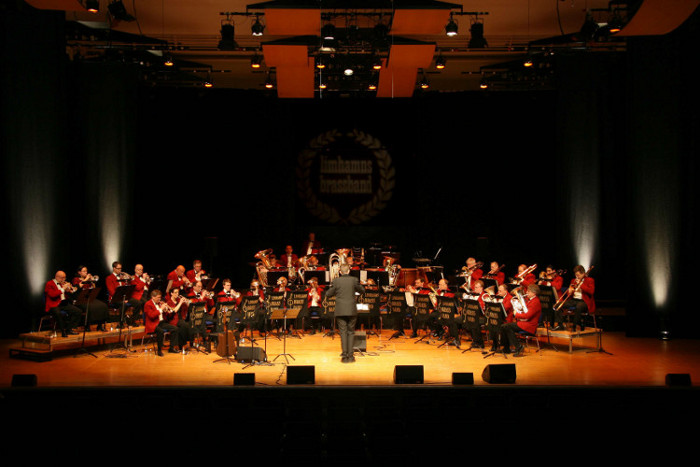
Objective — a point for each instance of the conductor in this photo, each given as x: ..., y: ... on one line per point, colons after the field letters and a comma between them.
x: 344, y: 288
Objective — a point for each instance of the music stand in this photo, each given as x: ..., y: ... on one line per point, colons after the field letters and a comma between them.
x: 472, y: 312
x: 249, y: 306
x: 297, y: 300
x: 495, y: 315
x: 328, y: 308
x: 85, y: 296
x: 196, y: 312
x: 447, y: 307
x: 371, y: 299
x: 123, y: 293
x: 275, y: 301
x: 283, y: 314
x: 421, y: 303
x: 397, y: 306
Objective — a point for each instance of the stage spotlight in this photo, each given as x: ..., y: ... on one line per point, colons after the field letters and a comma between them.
x: 440, y: 62
x: 372, y: 86
x: 256, y: 61
x: 477, y: 40
x: 483, y: 84
x: 227, y: 41
x: 589, y: 27
x: 269, y: 83
x: 322, y: 84
x: 348, y: 71
x: 423, y: 83
x: 451, y: 27
x: 118, y: 11
x: 328, y: 32
x: 321, y: 62
x: 93, y: 6
x: 377, y: 63
x: 168, y: 60
x: 257, y: 28
x: 527, y: 63
x: 208, y: 84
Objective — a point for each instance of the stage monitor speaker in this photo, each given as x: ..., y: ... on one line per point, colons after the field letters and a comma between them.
x: 408, y: 374
x: 244, y: 379
x: 249, y: 354
x: 24, y: 381
x: 502, y: 373
x: 360, y: 342
x: 678, y: 379
x: 462, y: 378
x: 301, y: 374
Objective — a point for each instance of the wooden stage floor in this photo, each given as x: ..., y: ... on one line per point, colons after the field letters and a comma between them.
x: 629, y: 362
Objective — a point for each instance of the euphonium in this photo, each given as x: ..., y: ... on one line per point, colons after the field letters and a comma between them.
x: 519, y: 305
x: 263, y: 265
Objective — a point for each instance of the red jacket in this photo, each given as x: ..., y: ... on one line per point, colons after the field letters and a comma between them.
x: 53, y: 295
x: 140, y: 288
x: 528, y: 321
x: 587, y: 292
x: 151, y: 316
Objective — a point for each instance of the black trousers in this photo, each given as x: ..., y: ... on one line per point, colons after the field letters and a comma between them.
x: 346, y: 328
x: 67, y: 316
x: 579, y: 308
x: 174, y: 331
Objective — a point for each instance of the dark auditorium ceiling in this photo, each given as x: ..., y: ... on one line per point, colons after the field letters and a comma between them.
x: 409, y: 48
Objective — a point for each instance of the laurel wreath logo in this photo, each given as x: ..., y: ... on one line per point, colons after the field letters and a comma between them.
x: 359, y: 214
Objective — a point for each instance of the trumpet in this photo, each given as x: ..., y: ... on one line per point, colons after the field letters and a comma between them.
x: 125, y: 277
x: 521, y: 276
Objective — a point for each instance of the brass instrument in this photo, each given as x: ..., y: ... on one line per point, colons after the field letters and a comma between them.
x: 491, y: 275
x: 519, y: 305
x: 123, y: 277
x: 521, y: 276
x: 263, y: 265
x: 335, y: 260
x: 570, y: 292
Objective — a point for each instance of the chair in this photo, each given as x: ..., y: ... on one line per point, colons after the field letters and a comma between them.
x: 527, y: 337
x: 51, y: 320
x: 152, y: 339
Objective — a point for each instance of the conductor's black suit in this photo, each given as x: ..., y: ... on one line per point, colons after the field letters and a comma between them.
x: 343, y: 289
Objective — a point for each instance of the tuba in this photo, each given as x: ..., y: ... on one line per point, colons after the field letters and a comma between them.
x: 263, y: 265
x: 335, y: 260
x: 519, y: 305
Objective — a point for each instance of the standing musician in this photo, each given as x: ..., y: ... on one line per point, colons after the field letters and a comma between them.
x: 156, y: 320
x: 344, y: 288
x: 311, y: 246
x: 196, y: 273
x: 524, y: 321
x: 314, y: 308
x: 472, y: 272
x: 551, y: 278
x: 58, y: 304
x: 581, y: 297
x: 97, y: 310
x: 178, y: 279
x: 495, y: 273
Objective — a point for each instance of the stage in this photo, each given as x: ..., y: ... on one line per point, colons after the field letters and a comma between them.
x: 583, y: 401
x: 622, y: 362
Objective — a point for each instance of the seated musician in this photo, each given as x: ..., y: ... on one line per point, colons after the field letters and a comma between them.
x: 495, y: 273
x: 472, y: 272
x: 351, y: 262
x: 98, y: 311
x: 289, y: 259
x: 274, y: 262
x: 196, y: 273
x: 58, y: 303
x: 314, y: 308
x: 475, y: 331
x: 551, y: 278
x: 199, y: 295
x: 420, y: 321
x: 498, y: 341
x: 524, y: 278
x: 524, y: 321
x: 178, y: 279
x: 117, y: 279
x: 281, y: 287
x: 313, y: 264
x: 581, y: 299
x: 140, y: 281
x: 177, y: 315
x: 156, y: 320
x: 229, y: 297
x: 259, y: 320
x: 451, y: 325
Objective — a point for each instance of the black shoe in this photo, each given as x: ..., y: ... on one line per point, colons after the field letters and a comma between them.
x: 71, y: 332
x: 518, y: 351
x: 414, y: 335
x: 159, y: 353
x: 171, y: 350
x: 456, y: 343
x: 348, y: 359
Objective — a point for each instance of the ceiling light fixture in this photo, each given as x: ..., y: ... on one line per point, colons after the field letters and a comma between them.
x: 93, y: 6
x: 118, y: 11
x: 257, y: 28
x: 256, y: 61
x: 328, y: 32
x: 269, y: 83
x: 440, y: 62
x: 321, y: 62
x: 228, y: 31
x: 477, y: 40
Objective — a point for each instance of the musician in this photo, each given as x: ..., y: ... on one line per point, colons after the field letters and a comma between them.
x: 525, y: 322
x: 524, y: 279
x: 259, y: 320
x: 453, y: 323
x: 475, y: 328
x: 57, y: 293
x: 420, y: 321
x: 178, y: 279
x: 98, y: 311
x: 199, y: 295
x: 472, y: 272
x: 311, y: 246
x: 344, y: 288
x: 314, y: 308
x: 499, y: 339
x: 581, y: 299
x: 140, y: 281
x: 196, y: 273
x: 281, y: 288
x: 154, y: 321
x: 551, y: 278
x: 288, y: 259
x: 228, y: 295
x: 495, y: 273
x: 313, y: 264
x: 117, y: 279
x: 178, y: 306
